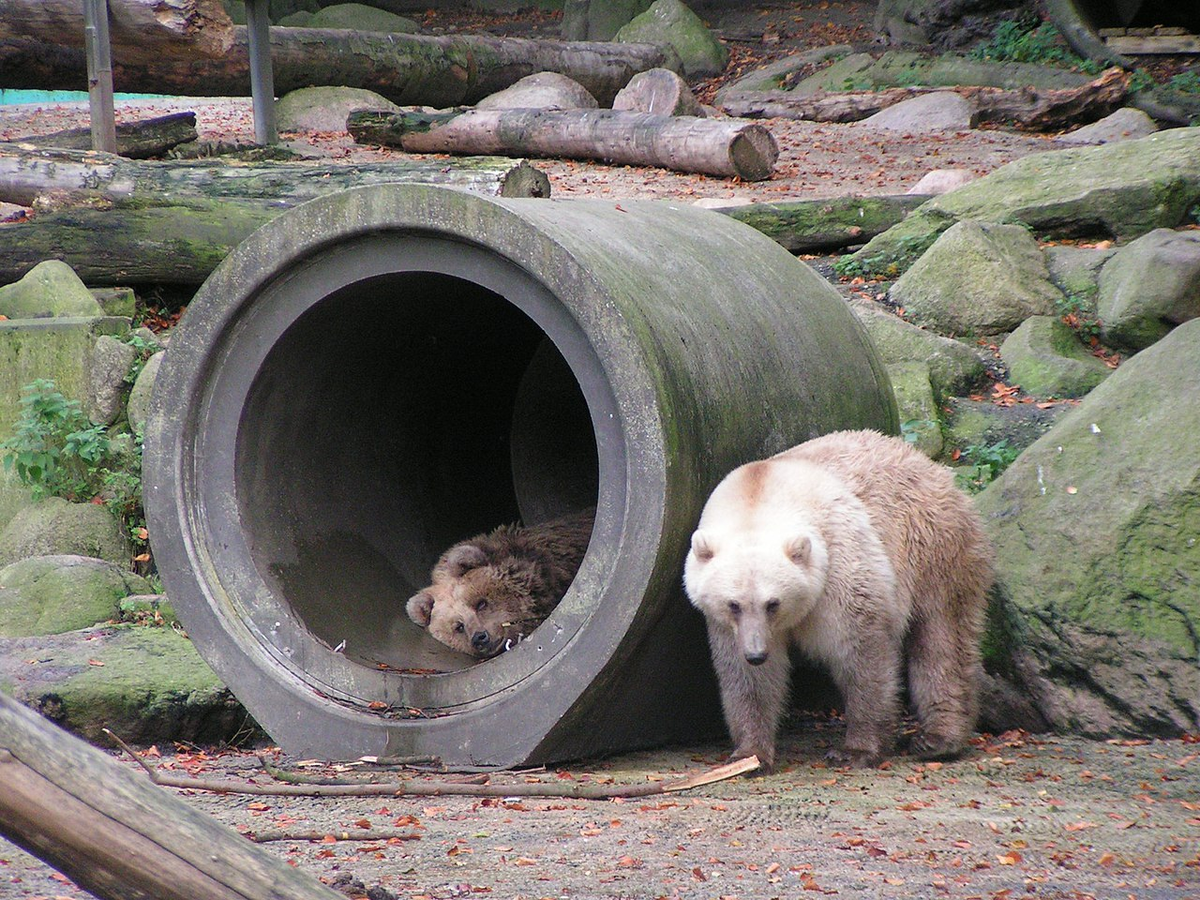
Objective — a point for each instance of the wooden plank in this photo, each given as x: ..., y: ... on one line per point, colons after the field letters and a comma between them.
x: 1151, y: 46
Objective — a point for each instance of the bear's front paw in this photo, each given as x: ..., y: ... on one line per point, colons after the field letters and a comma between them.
x: 858, y: 759
x: 930, y: 747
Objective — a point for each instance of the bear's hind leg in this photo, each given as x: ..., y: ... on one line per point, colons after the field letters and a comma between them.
x: 870, y: 686
x: 943, y: 676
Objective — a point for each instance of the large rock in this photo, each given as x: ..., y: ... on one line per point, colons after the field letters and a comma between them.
x: 953, y: 367
x: 541, y: 90
x: 1125, y: 124
x: 325, y: 108
x: 1046, y: 358
x: 1124, y: 190
x: 946, y: 24
x: 138, y: 405
x: 1097, y: 533
x: 1149, y: 287
x: 145, y: 684
x: 862, y: 71
x: 1076, y: 270
x: 598, y: 20
x: 54, y: 594
x: 979, y: 279
x: 670, y: 23
x: 50, y: 288
x: 935, y: 111
x: 360, y: 17
x: 56, y: 527
x: 110, y: 363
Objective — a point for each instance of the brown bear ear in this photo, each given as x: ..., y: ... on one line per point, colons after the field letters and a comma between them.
x: 799, y: 549
x: 462, y: 558
x: 702, y: 547
x: 420, y: 608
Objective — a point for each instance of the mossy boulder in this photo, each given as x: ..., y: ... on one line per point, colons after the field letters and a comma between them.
x: 670, y: 23
x: 54, y: 594
x: 1120, y: 190
x: 146, y: 684
x: 978, y: 279
x: 325, y: 107
x: 1076, y: 270
x: 541, y: 90
x: 1097, y: 533
x: 1149, y: 287
x: 360, y: 17
x: 1047, y: 359
x: 898, y: 68
x: 598, y: 20
x: 56, y: 527
x: 919, y: 419
x: 49, y: 289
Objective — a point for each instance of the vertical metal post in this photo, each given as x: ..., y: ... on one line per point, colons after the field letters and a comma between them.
x: 262, y: 80
x: 100, y: 83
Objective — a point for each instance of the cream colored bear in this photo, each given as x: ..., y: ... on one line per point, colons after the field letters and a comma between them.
x: 862, y: 553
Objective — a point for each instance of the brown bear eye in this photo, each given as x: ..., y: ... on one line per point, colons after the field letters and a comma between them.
x: 458, y: 628
x: 481, y: 605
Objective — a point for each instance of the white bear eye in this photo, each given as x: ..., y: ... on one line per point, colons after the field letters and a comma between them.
x: 735, y: 608
x: 481, y: 605
x: 772, y: 606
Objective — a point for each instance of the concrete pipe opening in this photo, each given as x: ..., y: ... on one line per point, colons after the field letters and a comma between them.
x: 380, y: 373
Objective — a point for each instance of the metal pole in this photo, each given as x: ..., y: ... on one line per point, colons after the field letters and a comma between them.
x: 100, y: 82
x: 262, y: 80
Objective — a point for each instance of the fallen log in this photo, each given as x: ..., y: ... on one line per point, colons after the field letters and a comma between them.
x: 121, y: 222
x: 135, y: 140
x: 27, y: 174
x: 1034, y: 108
x: 118, y: 835
x: 408, y: 69
x: 810, y: 226
x: 138, y: 29
x: 683, y: 143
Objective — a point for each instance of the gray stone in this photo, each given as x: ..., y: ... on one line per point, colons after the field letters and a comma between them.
x: 779, y: 74
x: 50, y: 288
x: 978, y: 279
x: 944, y: 24
x: 110, y: 363
x: 1097, y: 533
x: 1149, y: 287
x: 669, y: 22
x: 1124, y: 124
x: 119, y: 301
x: 54, y: 594
x: 598, y: 20
x: 1076, y: 270
x: 541, y: 90
x: 325, y: 108
x: 942, y: 181
x: 862, y: 71
x: 299, y: 19
x: 919, y: 419
x: 146, y: 684
x: 981, y: 423
x: 1046, y: 358
x: 953, y: 368
x: 56, y: 527
x: 138, y: 405
x: 935, y: 111
x: 1124, y: 189
x: 360, y: 17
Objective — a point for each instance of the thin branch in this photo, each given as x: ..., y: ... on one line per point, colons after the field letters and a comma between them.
x: 386, y: 834
x: 576, y: 791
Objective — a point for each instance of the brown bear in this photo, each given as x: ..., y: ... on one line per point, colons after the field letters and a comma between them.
x: 490, y: 591
x: 862, y: 553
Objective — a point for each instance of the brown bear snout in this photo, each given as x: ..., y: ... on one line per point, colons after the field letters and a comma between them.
x: 756, y: 657
x: 481, y: 642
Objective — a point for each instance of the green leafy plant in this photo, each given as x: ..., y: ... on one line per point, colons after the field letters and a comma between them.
x: 912, y: 429
x: 54, y: 449
x: 1079, y: 314
x: 145, y: 349
x: 1185, y: 82
x: 987, y: 462
x: 1031, y: 42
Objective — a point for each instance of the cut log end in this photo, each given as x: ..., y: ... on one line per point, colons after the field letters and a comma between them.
x: 753, y: 153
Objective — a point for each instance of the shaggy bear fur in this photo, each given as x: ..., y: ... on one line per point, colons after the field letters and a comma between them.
x: 862, y: 553
x: 492, y: 590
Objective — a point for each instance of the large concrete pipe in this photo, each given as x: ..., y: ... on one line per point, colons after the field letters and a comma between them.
x: 380, y: 373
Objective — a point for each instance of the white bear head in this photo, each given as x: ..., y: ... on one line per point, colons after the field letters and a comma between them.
x: 759, y: 584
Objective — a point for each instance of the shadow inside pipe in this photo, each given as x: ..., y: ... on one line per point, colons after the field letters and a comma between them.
x: 396, y: 416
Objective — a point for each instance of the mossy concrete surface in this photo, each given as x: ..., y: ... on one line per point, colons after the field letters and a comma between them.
x: 55, y: 594
x: 146, y: 684
x: 1120, y: 190
x: 1097, y: 531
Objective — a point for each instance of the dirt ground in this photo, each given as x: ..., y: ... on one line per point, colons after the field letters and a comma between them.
x: 1020, y: 817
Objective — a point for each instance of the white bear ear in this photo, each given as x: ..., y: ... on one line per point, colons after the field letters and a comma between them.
x: 799, y: 549
x: 420, y: 608
x: 462, y: 558
x: 702, y: 547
